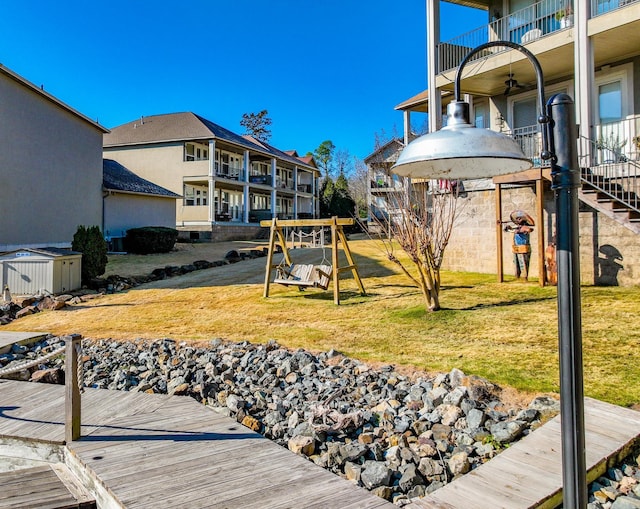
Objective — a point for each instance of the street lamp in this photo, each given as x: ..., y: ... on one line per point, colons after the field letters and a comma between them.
x: 461, y: 151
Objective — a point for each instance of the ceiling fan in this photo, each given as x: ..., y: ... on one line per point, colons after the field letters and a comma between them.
x: 510, y: 84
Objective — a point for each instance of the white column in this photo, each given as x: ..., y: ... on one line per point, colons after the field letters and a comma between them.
x: 584, y: 70
x: 211, y: 180
x: 295, y: 192
x: 212, y: 158
x: 245, y: 207
x: 433, y: 38
x: 245, y: 165
x: 212, y: 201
x: 406, y: 116
x: 273, y: 187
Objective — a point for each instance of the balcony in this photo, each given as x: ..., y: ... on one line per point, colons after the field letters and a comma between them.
x: 305, y: 188
x: 522, y: 26
x: 384, y: 182
x: 614, y: 142
x: 263, y: 179
x: 230, y: 173
x: 599, y: 7
x: 286, y: 184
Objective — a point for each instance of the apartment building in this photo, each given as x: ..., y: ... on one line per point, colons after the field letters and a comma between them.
x: 228, y: 182
x: 589, y: 49
x: 50, y: 167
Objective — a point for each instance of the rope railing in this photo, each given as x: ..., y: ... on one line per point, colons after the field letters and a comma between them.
x: 73, y: 381
x: 31, y: 363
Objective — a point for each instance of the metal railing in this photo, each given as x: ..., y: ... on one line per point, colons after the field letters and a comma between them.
x: 609, y: 164
x: 599, y: 7
x: 231, y: 174
x: 385, y: 182
x: 610, y: 171
x: 522, y: 26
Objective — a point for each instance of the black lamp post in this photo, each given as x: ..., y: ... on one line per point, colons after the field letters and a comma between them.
x: 461, y: 151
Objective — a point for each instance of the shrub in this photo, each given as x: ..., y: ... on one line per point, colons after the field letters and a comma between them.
x: 90, y: 242
x: 150, y: 239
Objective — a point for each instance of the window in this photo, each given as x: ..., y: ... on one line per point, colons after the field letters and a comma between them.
x: 610, y: 102
x: 228, y: 164
x: 196, y: 151
x: 195, y: 195
x: 480, y: 114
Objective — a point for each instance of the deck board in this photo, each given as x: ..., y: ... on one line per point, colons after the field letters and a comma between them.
x: 157, y: 450
x: 39, y: 487
x: 150, y: 451
x: 529, y: 473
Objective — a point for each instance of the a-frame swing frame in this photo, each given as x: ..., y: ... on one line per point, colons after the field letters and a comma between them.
x: 277, y: 236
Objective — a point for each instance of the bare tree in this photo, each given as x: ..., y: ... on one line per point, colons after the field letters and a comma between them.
x: 359, y: 186
x: 419, y: 219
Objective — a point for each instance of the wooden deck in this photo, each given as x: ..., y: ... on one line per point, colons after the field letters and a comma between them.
x: 44, y: 487
x: 9, y: 338
x: 529, y: 473
x: 150, y: 451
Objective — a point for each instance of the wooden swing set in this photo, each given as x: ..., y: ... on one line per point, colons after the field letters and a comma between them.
x: 309, y: 275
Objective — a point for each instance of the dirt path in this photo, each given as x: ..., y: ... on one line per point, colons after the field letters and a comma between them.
x: 246, y: 272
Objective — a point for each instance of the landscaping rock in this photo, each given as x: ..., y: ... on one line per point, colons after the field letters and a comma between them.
x: 399, y: 436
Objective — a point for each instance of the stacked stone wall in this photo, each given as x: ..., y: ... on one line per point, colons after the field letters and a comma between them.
x: 609, y: 252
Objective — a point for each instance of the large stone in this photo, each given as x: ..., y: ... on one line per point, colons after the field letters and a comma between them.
x: 458, y: 463
x: 410, y: 478
x: 301, y: 444
x: 507, y: 431
x: 48, y: 376
x: 430, y: 468
x: 625, y: 502
x: 375, y: 474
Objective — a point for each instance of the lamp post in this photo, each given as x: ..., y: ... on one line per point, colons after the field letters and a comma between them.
x: 461, y: 151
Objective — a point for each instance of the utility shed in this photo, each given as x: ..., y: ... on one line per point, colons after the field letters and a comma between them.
x: 30, y: 270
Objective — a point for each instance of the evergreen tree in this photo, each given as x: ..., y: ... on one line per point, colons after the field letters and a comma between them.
x: 90, y: 242
x: 327, y: 189
x: 342, y: 204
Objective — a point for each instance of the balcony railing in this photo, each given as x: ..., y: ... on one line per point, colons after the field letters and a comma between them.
x: 305, y: 188
x: 230, y: 173
x: 522, y: 26
x: 614, y: 142
x: 284, y: 184
x: 603, y: 6
x: 385, y: 182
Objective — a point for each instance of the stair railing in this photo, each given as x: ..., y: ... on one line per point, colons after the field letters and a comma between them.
x: 610, y: 171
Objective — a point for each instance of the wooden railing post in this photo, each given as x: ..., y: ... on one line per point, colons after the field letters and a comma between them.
x: 72, y: 400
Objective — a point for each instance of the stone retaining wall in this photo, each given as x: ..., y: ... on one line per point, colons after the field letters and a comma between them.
x: 609, y: 252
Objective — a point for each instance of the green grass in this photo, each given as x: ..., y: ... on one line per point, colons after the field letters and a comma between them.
x: 506, y: 332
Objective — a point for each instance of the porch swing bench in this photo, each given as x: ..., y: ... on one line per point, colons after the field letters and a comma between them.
x: 317, y: 275
x: 304, y: 275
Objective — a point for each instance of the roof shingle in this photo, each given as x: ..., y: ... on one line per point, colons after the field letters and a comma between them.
x: 116, y: 177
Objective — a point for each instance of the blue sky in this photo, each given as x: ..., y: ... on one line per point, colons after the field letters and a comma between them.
x: 324, y: 69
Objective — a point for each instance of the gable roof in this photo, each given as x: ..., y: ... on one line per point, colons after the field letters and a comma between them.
x: 47, y: 96
x: 116, y: 177
x: 387, y: 153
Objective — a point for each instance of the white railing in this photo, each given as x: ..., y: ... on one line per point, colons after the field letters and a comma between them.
x: 599, y: 7
x: 522, y: 26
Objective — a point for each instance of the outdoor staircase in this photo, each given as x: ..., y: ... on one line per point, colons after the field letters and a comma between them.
x: 612, y: 186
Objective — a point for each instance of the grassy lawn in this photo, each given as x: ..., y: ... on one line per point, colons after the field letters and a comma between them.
x: 505, y: 332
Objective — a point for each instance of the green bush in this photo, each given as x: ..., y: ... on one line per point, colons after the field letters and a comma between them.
x: 150, y: 239
x: 90, y: 242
